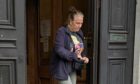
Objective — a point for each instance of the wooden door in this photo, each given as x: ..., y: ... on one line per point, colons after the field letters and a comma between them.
x: 51, y: 15
x: 12, y: 42
x: 116, y: 41
x: 45, y: 40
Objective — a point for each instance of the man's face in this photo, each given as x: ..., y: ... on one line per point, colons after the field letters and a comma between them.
x: 76, y: 23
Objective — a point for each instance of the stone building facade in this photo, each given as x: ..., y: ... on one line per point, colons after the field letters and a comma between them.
x: 136, y: 69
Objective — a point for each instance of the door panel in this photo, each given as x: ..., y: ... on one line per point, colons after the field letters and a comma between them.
x: 116, y: 41
x: 45, y: 40
x: 49, y: 21
x: 12, y: 42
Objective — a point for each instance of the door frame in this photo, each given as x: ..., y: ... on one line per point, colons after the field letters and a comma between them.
x: 32, y: 25
x: 93, y: 24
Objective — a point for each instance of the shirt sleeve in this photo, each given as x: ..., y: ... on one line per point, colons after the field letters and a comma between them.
x: 60, y: 49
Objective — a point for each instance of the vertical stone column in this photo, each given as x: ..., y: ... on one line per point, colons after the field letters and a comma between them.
x: 136, y: 69
x: 139, y: 70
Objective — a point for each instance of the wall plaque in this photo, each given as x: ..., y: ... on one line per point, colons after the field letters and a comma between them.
x: 118, y: 37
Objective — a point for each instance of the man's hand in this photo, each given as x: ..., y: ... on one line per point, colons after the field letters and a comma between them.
x: 85, y: 59
x: 79, y: 57
x: 77, y: 51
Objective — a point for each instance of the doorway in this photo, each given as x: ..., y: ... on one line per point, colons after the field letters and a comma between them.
x: 44, y: 17
x: 51, y: 16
